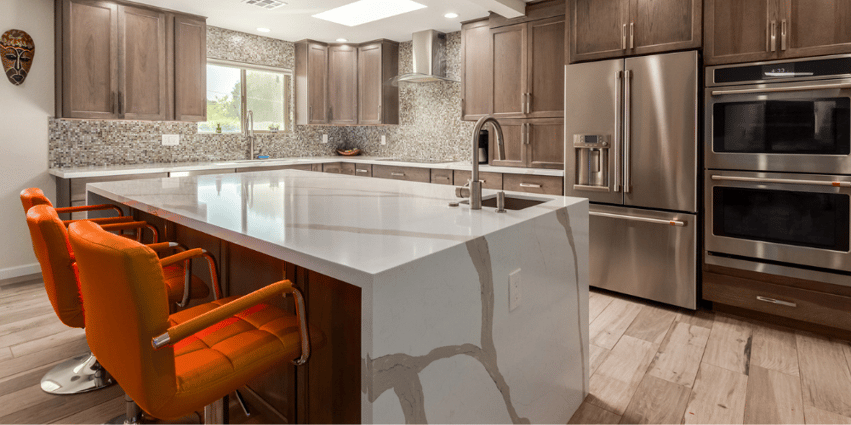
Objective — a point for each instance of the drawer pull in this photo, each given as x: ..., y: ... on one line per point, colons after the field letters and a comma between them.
x: 362, y: 171
x: 397, y: 174
x: 532, y: 185
x: 773, y: 301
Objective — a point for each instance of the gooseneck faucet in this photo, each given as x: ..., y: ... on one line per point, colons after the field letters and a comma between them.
x: 473, y: 188
x: 249, y: 133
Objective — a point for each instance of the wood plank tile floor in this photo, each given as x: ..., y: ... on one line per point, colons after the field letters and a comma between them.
x: 649, y: 364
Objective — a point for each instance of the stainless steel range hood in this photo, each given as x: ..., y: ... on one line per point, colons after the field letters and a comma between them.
x: 429, y: 54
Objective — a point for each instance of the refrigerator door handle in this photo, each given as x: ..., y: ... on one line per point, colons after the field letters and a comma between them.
x: 627, y: 129
x: 618, y: 126
x: 676, y: 223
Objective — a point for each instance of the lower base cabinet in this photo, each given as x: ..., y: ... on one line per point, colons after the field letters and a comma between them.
x: 545, y: 185
x: 411, y: 174
x: 489, y: 180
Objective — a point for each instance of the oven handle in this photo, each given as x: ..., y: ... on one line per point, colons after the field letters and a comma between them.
x: 641, y: 219
x: 782, y: 89
x: 784, y: 181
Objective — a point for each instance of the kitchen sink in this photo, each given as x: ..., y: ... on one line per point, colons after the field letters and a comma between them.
x: 513, y: 203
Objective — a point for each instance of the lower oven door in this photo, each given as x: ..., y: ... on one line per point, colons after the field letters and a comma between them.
x: 800, y: 219
x: 644, y: 253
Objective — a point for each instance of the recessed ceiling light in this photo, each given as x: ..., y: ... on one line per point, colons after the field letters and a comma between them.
x: 342, y: 40
x: 363, y: 11
x: 451, y: 15
x: 264, y: 29
x: 266, y: 4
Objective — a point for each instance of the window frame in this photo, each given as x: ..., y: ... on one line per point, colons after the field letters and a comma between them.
x: 289, y: 119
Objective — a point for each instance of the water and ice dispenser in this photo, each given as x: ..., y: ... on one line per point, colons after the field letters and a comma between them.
x: 592, y: 161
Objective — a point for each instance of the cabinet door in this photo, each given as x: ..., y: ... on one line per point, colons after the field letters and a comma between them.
x: 545, y: 144
x: 343, y: 84
x: 317, y: 81
x: 739, y: 31
x: 476, y: 74
x: 598, y: 29
x: 546, y: 68
x: 190, y: 69
x: 664, y: 25
x: 369, y: 84
x: 509, y: 47
x: 814, y: 27
x: 143, y: 90
x: 514, y: 132
x: 89, y: 59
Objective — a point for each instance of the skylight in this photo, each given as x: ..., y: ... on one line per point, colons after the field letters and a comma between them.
x: 363, y: 11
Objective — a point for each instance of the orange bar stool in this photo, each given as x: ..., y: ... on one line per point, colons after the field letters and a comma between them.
x: 59, y: 271
x: 172, y: 366
x: 34, y: 196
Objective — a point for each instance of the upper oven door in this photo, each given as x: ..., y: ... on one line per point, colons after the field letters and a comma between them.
x: 802, y: 126
x: 790, y: 218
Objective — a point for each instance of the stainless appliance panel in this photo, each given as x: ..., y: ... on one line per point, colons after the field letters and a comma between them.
x: 592, y: 103
x: 798, y: 219
x: 648, y: 254
x: 660, y: 160
x: 829, y: 115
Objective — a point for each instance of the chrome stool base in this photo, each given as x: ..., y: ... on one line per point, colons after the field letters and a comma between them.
x: 78, y: 375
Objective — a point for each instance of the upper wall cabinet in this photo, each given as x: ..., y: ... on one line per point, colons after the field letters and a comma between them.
x: 343, y: 84
x: 602, y: 29
x: 311, y: 82
x: 476, y: 77
x: 117, y: 60
x: 756, y: 30
x: 378, y: 100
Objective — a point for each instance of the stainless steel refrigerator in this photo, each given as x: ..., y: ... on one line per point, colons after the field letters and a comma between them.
x: 631, y: 148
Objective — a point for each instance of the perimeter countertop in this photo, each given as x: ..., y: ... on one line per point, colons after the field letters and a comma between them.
x: 167, y: 167
x: 346, y: 227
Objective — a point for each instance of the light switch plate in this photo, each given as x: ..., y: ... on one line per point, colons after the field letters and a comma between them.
x: 171, y: 139
x: 383, y: 139
x: 514, y: 290
x: 324, y: 138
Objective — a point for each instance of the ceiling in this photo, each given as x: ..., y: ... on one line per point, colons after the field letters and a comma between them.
x: 294, y: 21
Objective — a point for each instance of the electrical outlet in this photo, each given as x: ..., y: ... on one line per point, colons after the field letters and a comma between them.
x: 324, y: 138
x: 171, y: 139
x: 383, y: 140
x: 514, y: 290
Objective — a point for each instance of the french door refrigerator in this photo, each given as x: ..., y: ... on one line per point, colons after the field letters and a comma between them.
x: 631, y: 149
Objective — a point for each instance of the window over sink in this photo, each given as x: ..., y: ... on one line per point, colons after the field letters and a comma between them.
x: 233, y: 89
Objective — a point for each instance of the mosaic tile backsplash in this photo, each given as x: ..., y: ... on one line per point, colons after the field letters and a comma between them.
x: 430, y: 121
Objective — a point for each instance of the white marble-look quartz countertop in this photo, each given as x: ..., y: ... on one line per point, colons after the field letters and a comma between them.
x: 117, y: 170
x: 346, y: 227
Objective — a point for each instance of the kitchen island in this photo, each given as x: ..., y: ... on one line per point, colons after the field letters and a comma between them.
x: 412, y: 294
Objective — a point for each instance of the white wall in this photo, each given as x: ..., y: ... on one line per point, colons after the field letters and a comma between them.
x: 24, y: 111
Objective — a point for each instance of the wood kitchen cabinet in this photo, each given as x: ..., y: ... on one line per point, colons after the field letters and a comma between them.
x: 311, y: 82
x: 757, y: 30
x: 602, y: 29
x: 508, y: 73
x: 117, y: 60
x: 537, y: 143
x: 342, y: 84
x: 476, y: 62
x: 378, y: 101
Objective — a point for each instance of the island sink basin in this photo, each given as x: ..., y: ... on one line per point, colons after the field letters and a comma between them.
x: 511, y: 202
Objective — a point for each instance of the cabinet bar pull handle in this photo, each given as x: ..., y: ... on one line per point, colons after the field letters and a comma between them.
x: 532, y: 185
x: 783, y: 34
x: 397, y: 174
x: 632, y: 35
x: 775, y: 301
x: 623, y: 37
x: 773, y: 36
x: 362, y: 171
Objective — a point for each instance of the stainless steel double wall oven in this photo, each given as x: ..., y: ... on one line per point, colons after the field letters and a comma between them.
x: 778, y: 167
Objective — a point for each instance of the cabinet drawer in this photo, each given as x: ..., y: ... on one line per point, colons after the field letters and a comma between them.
x: 303, y: 167
x: 347, y: 168
x: 546, y: 185
x: 335, y: 168
x: 78, y: 186
x: 412, y: 174
x: 489, y: 180
x: 795, y: 303
x: 316, y: 167
x: 201, y: 172
x: 441, y: 176
x: 363, y: 170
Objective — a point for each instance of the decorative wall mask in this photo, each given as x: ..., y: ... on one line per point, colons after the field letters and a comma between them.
x: 17, y: 49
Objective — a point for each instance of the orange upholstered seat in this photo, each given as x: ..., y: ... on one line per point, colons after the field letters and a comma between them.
x: 174, y: 365
x: 34, y: 196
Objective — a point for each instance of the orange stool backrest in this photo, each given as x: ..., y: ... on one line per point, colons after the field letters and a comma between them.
x: 125, y: 298
x: 53, y: 250
x: 33, y: 196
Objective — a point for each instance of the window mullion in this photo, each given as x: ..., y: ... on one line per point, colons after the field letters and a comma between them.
x: 244, y: 101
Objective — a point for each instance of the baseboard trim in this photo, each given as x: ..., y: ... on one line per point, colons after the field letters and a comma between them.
x: 26, y: 271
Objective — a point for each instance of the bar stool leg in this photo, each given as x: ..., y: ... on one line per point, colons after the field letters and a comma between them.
x: 242, y: 404
x: 214, y: 413
x: 133, y: 413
